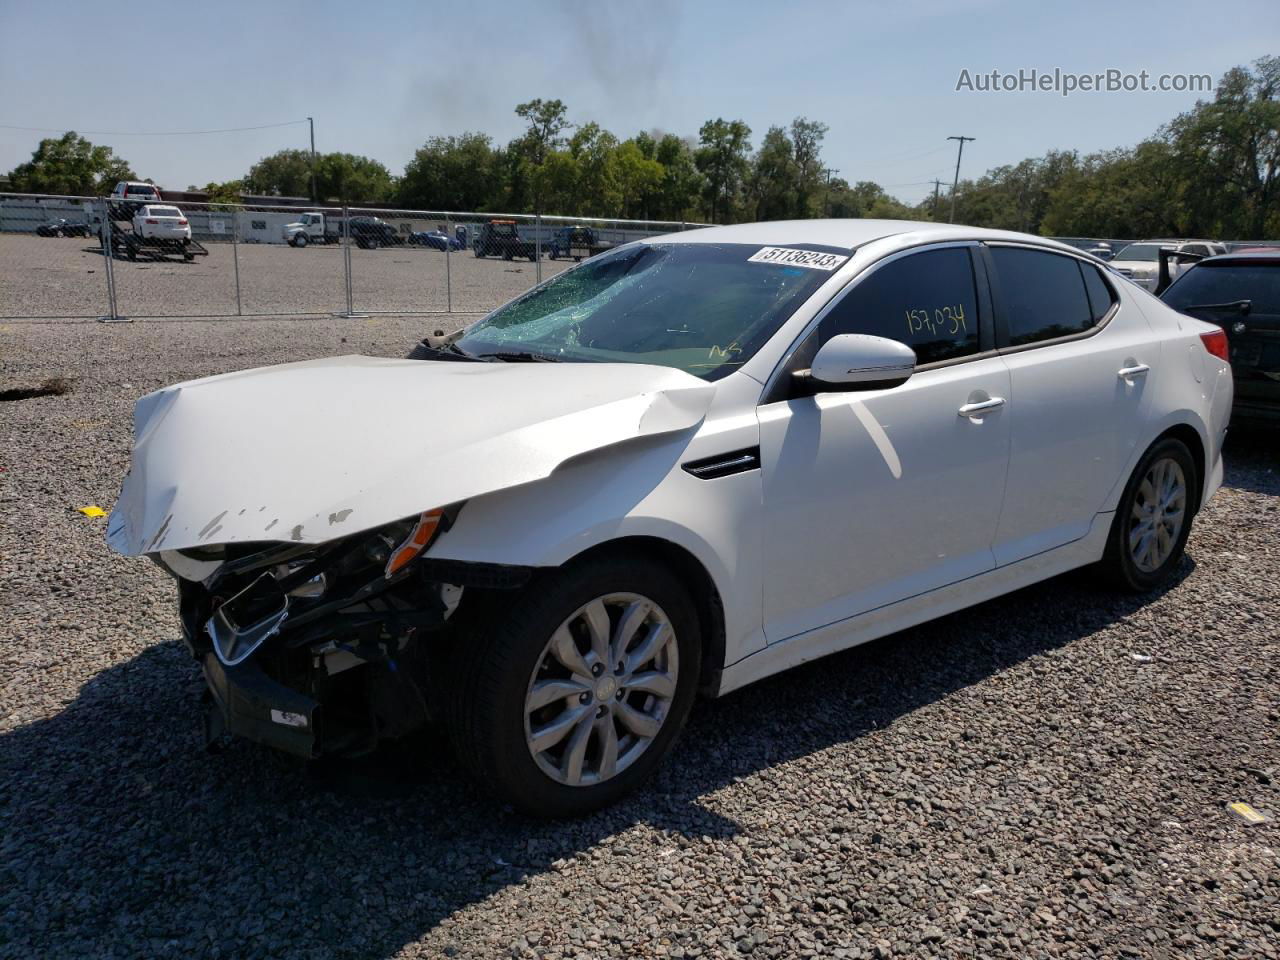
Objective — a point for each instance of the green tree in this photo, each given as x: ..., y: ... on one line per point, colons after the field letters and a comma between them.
x: 771, y: 186
x: 592, y: 147
x: 1118, y: 193
x: 348, y: 178
x: 452, y: 173
x: 228, y: 192
x: 70, y: 165
x: 806, y: 151
x: 548, y: 122
x: 556, y: 184
x: 340, y: 177
x: 1230, y: 151
x: 682, y: 183
x: 286, y: 173
x: 869, y: 200
x: 638, y: 176
x: 723, y: 159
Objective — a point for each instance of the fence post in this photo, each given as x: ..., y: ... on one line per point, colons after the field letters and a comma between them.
x: 235, y: 254
x: 448, y: 275
x: 346, y: 254
x: 537, y: 246
x: 108, y: 254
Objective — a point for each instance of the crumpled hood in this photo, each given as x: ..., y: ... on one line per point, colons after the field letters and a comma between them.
x: 311, y: 451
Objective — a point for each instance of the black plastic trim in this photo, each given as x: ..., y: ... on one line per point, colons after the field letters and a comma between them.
x: 724, y: 464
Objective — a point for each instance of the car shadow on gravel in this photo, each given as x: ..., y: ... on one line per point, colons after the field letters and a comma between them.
x: 120, y: 833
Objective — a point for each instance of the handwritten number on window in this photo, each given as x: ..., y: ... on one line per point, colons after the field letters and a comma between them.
x: 949, y: 320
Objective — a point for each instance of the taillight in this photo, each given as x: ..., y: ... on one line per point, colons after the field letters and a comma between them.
x: 149, y: 220
x: 1215, y: 341
x: 182, y: 223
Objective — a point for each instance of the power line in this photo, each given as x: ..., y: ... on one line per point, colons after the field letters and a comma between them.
x: 172, y: 133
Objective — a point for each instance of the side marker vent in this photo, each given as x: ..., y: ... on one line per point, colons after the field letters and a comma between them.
x: 724, y: 464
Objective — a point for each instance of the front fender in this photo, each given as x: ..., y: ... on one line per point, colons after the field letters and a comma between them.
x: 637, y: 490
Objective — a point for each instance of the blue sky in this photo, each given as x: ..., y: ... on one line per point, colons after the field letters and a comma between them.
x: 380, y: 77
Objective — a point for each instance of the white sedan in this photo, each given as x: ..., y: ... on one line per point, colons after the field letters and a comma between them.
x: 684, y: 465
x: 161, y: 222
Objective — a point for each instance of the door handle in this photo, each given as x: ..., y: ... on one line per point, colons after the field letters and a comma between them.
x: 1137, y: 370
x: 980, y: 407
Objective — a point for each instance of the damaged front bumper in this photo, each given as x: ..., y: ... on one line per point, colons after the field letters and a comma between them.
x: 322, y: 651
x: 243, y: 701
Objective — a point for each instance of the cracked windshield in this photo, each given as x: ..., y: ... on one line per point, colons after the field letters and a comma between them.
x: 702, y: 308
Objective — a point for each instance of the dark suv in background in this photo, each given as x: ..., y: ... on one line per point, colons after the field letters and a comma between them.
x: 1240, y: 292
x: 369, y: 233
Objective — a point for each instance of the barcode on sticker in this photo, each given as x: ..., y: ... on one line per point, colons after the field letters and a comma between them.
x: 811, y: 259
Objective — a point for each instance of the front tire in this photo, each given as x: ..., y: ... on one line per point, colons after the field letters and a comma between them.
x: 571, y: 699
x: 1153, y: 519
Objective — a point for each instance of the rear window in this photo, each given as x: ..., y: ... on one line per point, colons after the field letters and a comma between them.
x: 164, y: 212
x: 1222, y: 283
x: 142, y: 191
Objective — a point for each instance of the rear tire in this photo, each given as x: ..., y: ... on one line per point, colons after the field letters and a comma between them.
x: 495, y: 716
x: 1153, y: 519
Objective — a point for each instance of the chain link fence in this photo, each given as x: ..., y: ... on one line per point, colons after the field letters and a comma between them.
x: 121, y: 258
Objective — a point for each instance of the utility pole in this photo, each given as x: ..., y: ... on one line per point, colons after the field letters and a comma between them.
x: 312, y: 123
x: 956, y: 182
x: 826, y: 196
x: 937, y: 185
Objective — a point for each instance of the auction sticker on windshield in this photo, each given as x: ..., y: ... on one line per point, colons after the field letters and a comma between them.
x: 797, y: 258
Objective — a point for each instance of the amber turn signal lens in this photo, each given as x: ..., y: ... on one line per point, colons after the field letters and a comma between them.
x: 418, y: 540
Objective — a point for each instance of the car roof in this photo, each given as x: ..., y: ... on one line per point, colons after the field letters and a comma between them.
x: 1250, y: 256
x: 850, y: 234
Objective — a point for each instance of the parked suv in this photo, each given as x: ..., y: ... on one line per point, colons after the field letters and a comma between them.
x: 369, y: 233
x: 136, y: 190
x: 1240, y: 292
x: 1140, y: 262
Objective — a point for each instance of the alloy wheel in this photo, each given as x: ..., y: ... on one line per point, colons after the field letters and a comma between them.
x: 602, y: 689
x: 1159, y: 511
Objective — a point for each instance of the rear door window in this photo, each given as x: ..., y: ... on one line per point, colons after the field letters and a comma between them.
x: 1042, y: 294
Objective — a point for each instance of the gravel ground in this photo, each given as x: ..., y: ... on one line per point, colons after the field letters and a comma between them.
x: 59, y: 277
x: 1042, y: 776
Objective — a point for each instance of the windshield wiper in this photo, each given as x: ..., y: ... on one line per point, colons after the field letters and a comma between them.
x: 448, y: 351
x: 1244, y: 306
x: 519, y: 357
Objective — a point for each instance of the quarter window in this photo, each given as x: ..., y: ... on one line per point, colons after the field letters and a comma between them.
x: 1043, y: 294
x: 927, y: 300
x: 1101, y: 296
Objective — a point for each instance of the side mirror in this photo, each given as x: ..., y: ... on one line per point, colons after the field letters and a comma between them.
x: 857, y: 361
